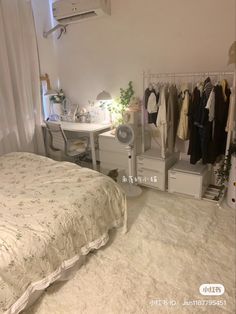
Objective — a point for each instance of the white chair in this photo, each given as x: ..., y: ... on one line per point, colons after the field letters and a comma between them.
x: 69, y: 147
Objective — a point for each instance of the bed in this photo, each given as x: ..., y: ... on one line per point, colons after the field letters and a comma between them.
x: 51, y: 214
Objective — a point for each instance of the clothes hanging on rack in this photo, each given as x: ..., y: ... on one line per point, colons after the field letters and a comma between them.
x: 210, y: 106
x: 204, y: 114
x: 231, y: 114
x: 151, y: 98
x: 183, y: 128
x: 194, y: 149
x: 208, y: 116
x: 222, y: 99
x: 161, y: 121
x: 203, y: 123
x: 172, y: 117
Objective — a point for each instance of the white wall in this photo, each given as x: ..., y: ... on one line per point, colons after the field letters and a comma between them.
x: 157, y: 35
x: 47, y: 47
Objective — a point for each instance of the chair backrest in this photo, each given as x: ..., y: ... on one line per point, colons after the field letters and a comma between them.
x: 58, y: 139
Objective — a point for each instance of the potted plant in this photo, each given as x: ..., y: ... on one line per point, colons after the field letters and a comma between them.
x: 119, y: 106
x: 222, y: 173
x: 57, y: 102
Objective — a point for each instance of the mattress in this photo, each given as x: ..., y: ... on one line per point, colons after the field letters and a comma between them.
x: 51, y: 214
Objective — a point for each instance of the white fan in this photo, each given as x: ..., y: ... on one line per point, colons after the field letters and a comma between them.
x: 125, y: 134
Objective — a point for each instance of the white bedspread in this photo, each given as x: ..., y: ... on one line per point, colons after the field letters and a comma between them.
x: 50, y: 214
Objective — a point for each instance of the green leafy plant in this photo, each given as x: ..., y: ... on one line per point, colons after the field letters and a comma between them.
x: 126, y: 96
x: 58, y: 98
x: 222, y: 173
x: 119, y: 106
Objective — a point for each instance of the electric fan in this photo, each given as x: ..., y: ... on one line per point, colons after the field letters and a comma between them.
x: 125, y: 134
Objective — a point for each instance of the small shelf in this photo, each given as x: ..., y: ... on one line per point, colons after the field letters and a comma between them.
x: 214, y: 193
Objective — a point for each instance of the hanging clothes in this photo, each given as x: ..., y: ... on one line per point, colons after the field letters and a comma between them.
x: 210, y: 106
x: 203, y: 123
x: 194, y: 149
x: 202, y: 115
x: 208, y: 116
x: 231, y: 113
x: 221, y: 117
x: 183, y: 130
x: 151, y: 98
x: 224, y: 85
x: 172, y: 117
x: 161, y: 121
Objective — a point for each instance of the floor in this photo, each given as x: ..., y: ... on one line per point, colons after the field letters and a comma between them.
x: 173, y: 246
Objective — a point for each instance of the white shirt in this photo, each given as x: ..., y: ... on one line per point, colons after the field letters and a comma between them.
x: 183, y: 129
x: 161, y: 121
x: 211, y: 106
x: 231, y: 114
x: 152, y: 103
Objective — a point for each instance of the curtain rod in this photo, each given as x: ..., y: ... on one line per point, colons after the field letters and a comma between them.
x: 157, y: 75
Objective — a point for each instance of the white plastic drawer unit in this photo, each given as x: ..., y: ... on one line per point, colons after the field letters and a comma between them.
x: 151, y: 178
x: 114, y: 155
x: 116, y: 158
x: 188, y: 179
x: 152, y: 170
x: 150, y: 163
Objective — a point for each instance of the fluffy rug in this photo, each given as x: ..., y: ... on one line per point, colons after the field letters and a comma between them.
x: 173, y: 246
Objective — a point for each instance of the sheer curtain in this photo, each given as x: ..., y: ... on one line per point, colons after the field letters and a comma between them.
x: 20, y: 100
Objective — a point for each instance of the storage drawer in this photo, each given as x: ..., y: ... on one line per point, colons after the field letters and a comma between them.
x: 114, y: 158
x: 188, y: 183
x: 151, y: 178
x: 152, y: 164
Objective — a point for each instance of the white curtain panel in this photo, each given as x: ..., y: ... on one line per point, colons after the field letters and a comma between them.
x: 20, y: 99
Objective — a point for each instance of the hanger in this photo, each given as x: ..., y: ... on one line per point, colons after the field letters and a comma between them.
x: 150, y: 86
x: 156, y: 87
x: 192, y: 83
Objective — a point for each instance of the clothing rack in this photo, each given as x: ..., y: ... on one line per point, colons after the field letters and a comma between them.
x: 187, y: 74
x: 173, y: 78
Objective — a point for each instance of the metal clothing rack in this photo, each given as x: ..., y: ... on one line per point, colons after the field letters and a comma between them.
x: 174, y: 78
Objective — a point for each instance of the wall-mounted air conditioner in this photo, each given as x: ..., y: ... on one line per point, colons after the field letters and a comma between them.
x: 69, y: 11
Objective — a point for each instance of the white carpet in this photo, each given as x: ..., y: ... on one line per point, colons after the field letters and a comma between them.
x: 174, y: 245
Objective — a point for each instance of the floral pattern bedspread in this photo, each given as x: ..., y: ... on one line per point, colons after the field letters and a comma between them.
x: 50, y: 212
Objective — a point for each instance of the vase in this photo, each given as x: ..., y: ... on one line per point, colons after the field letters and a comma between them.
x: 57, y: 109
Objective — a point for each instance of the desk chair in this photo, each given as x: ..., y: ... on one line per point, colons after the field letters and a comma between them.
x: 70, y: 147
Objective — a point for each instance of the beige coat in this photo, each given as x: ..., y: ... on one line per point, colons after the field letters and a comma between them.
x: 183, y: 127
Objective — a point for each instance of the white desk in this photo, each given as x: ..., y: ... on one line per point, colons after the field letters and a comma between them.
x: 89, y: 128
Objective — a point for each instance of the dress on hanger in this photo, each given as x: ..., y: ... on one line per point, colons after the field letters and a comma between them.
x: 151, y: 99
x: 194, y: 149
x: 210, y: 106
x: 172, y: 117
x: 203, y: 123
x: 231, y: 113
x: 221, y: 117
x: 161, y: 121
x: 183, y: 130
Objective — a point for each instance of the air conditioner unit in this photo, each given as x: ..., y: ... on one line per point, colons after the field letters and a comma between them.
x: 69, y: 11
